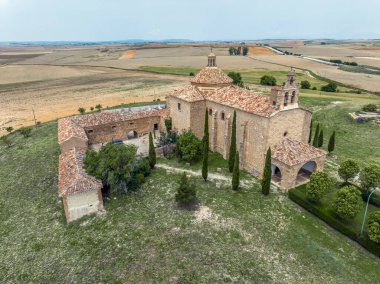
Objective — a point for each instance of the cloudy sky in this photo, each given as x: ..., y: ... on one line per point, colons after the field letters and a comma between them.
x: 93, y: 20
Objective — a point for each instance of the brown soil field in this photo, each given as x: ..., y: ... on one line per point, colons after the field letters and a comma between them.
x: 259, y: 50
x: 128, y: 54
x: 55, y: 98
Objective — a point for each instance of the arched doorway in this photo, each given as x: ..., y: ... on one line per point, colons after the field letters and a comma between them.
x: 286, y: 99
x: 276, y: 174
x: 305, y: 172
x: 293, y: 97
x: 132, y: 135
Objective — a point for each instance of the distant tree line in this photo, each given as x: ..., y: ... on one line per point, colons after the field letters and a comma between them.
x: 238, y: 51
x: 338, y: 61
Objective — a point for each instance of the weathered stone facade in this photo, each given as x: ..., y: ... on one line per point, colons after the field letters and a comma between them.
x: 262, y: 121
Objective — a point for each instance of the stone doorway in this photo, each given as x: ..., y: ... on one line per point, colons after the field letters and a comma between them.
x: 305, y: 172
x: 276, y: 175
x: 132, y: 135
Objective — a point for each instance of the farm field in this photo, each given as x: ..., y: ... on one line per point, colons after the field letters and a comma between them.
x: 143, y: 236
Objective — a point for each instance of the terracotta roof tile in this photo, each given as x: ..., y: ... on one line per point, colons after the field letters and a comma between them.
x: 291, y: 152
x: 243, y: 99
x: 189, y: 93
x: 67, y: 129
x: 212, y: 76
x: 72, y: 178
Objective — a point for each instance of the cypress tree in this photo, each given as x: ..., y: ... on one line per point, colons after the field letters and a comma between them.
x: 267, y: 175
x: 311, y: 131
x: 320, y: 139
x: 331, y: 145
x: 231, y: 159
x: 316, y: 135
x: 236, y: 173
x: 205, y: 148
x: 152, y: 152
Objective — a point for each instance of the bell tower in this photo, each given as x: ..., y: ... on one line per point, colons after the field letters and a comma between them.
x: 286, y: 97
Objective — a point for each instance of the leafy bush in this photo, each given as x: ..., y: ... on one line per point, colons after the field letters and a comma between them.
x: 330, y: 87
x: 186, y: 193
x: 191, y: 74
x: 370, y: 107
x: 189, y: 147
x: 305, y: 84
x: 373, y: 227
x: 320, y: 183
x: 348, y: 169
x: 236, y: 78
x: 268, y: 80
x: 347, y: 202
x: 26, y: 131
x: 81, y: 110
x: 113, y: 165
x: 9, y: 129
x: 314, y: 88
x: 370, y: 177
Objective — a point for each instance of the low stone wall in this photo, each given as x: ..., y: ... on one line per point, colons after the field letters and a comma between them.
x: 165, y: 150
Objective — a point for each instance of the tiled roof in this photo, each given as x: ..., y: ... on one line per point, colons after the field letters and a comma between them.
x: 72, y: 178
x: 291, y: 152
x: 243, y: 99
x: 189, y: 93
x: 212, y: 76
x: 73, y: 126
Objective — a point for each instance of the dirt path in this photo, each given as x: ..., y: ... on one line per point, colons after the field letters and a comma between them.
x: 129, y: 54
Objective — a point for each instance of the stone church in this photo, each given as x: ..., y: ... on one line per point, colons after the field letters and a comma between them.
x: 275, y: 121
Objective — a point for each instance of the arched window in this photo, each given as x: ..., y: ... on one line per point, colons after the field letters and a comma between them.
x: 293, y: 98
x: 286, y: 99
x: 222, y: 115
x: 210, y: 111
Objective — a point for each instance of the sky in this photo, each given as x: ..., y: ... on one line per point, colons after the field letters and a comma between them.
x: 102, y: 20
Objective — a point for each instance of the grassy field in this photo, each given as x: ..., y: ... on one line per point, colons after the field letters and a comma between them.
x: 145, y: 238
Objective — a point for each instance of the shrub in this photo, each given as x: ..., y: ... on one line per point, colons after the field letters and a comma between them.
x: 348, y: 169
x: 314, y: 88
x: 98, y: 107
x: 373, y: 227
x: 268, y: 80
x: 189, y: 147
x: 347, y: 202
x: 168, y: 125
x: 191, y: 74
x: 330, y: 87
x: 245, y: 51
x: 81, y: 110
x: 320, y: 183
x: 370, y: 107
x: 9, y: 129
x: 305, y: 84
x: 92, y: 108
x: 370, y: 177
x: 186, y: 193
x: 236, y: 78
x: 26, y: 131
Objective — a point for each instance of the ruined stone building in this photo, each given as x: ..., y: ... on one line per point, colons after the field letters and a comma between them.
x: 275, y: 121
x: 81, y: 193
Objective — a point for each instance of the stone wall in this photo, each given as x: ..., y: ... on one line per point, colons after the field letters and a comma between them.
x: 119, y: 130
x: 180, y: 117
x: 81, y: 204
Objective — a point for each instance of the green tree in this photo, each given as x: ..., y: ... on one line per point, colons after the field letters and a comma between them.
x: 370, y: 177
x: 189, y: 147
x: 331, y: 145
x: 347, y: 202
x: 186, y: 193
x: 168, y: 125
x: 98, y: 107
x: 26, y: 131
x: 113, y: 165
x: 236, y: 78
x: 370, y: 107
x: 205, y: 147
x: 152, y: 152
x: 310, y: 131
x: 191, y: 74
x: 91, y: 108
x: 320, y: 139
x: 236, y: 173
x: 81, y: 110
x: 9, y: 129
x: 245, y: 51
x: 268, y: 80
x: 373, y: 227
x: 305, y: 84
x: 316, y: 135
x: 330, y: 87
x: 267, y: 173
x: 348, y: 169
x: 231, y: 51
x: 320, y: 183
x: 231, y: 159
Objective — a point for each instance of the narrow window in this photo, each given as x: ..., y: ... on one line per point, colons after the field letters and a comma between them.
x: 114, y: 126
x: 155, y: 126
x: 274, y: 103
x: 210, y: 111
x: 222, y: 115
x: 131, y: 123
x: 90, y: 131
x: 179, y: 106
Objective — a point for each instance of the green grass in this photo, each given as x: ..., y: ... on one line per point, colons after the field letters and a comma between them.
x: 145, y: 238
